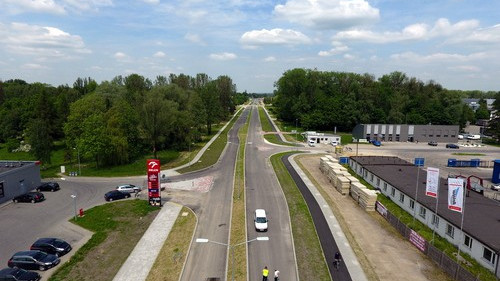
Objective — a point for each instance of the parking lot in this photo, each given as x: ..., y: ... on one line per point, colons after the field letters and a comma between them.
x: 23, y: 223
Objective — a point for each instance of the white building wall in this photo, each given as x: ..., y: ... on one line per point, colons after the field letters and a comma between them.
x: 477, y: 249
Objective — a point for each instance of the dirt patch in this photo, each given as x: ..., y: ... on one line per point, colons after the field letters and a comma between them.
x: 383, y: 253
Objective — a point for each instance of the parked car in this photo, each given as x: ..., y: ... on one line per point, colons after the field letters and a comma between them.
x: 311, y: 143
x: 48, y: 186
x: 129, y: 188
x: 52, y: 246
x: 474, y: 137
x: 452, y: 145
x: 460, y: 137
x: 116, y: 195
x: 32, y: 197
x: 376, y: 143
x: 33, y: 260
x: 18, y: 274
x: 432, y: 143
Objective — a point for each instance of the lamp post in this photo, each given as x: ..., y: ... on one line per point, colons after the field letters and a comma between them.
x: 231, y: 247
x: 74, y: 203
x: 79, y: 167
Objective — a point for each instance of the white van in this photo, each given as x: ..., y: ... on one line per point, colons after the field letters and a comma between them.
x: 311, y: 143
x: 260, y: 220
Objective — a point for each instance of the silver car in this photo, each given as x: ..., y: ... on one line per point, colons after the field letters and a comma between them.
x: 128, y: 188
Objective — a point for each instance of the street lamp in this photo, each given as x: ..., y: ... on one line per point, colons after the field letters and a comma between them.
x: 231, y: 247
x: 74, y: 202
x: 79, y: 167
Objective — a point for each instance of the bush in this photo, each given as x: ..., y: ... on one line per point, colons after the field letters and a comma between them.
x: 12, y: 144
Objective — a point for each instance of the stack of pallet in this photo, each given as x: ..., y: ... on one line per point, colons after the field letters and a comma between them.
x: 366, y: 198
x: 342, y: 184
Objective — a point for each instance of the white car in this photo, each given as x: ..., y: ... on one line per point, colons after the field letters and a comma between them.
x: 474, y: 137
x: 260, y: 220
x: 128, y: 188
x: 311, y: 143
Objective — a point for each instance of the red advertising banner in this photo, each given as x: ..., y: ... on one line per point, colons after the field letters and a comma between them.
x: 417, y: 240
x: 153, y: 167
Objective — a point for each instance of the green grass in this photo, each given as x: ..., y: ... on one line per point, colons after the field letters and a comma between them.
x: 117, y: 228
x: 264, y: 122
x: 238, y: 223
x: 310, y: 258
x: 423, y: 230
x: 212, y: 154
x: 468, y: 154
x: 168, y: 264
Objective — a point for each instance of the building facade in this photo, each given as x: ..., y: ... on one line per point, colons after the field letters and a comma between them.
x: 405, y: 132
x: 18, y: 177
x: 404, y: 184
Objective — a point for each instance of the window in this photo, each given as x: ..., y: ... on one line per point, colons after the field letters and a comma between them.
x: 412, y: 204
x: 430, y: 136
x: 393, y: 191
x: 378, y: 182
x: 489, y: 255
x: 450, y: 230
x: 468, y: 241
x: 422, y: 212
x: 435, y: 220
x: 401, y: 197
x: 385, y: 186
x: 371, y: 177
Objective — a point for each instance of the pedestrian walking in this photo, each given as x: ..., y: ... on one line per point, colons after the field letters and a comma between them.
x: 265, y: 273
x: 276, y: 275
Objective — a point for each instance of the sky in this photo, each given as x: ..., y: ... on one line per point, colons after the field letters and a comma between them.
x: 455, y: 43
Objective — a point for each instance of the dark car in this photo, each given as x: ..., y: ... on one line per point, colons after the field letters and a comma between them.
x: 432, y: 143
x: 18, y: 274
x: 48, y: 186
x: 452, y: 145
x: 116, y: 195
x: 52, y: 246
x: 33, y: 260
x: 29, y: 197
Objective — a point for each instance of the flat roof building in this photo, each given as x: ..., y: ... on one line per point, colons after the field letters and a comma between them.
x: 18, y: 177
x: 405, y: 132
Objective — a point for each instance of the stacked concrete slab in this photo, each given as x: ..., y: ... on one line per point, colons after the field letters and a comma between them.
x: 366, y: 198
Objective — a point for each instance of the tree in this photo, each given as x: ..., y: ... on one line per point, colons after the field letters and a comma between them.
x: 211, y: 101
x: 482, y: 112
x: 40, y: 139
x: 157, y: 118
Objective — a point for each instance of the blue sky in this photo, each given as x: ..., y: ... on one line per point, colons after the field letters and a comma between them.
x: 455, y: 43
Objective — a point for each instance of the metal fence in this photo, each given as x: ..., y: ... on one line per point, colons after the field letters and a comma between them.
x: 441, y: 259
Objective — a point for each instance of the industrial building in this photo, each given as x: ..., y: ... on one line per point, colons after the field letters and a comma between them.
x: 18, y: 177
x: 405, y: 132
x: 405, y: 184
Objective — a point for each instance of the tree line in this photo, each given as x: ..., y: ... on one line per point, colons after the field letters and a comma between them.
x: 319, y: 100
x: 117, y: 121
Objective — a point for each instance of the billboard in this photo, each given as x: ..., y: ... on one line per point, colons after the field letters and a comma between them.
x: 153, y: 169
x: 455, y: 194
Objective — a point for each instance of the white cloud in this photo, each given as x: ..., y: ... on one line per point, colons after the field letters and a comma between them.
x: 120, y: 56
x: 151, y: 1
x: 275, y: 36
x: 349, y: 57
x: 328, y: 14
x: 159, y: 54
x: 25, y: 39
x: 33, y: 66
x: 438, y: 57
x: 418, y: 31
x: 270, y: 59
x: 223, y: 56
x: 483, y: 35
x: 337, y: 49
x: 41, y: 6
x: 87, y: 5
x: 465, y: 68
x: 195, y: 38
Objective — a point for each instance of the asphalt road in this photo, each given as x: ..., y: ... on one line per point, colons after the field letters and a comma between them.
x: 208, y: 260
x: 264, y: 192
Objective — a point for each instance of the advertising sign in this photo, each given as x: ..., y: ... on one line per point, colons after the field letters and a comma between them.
x: 153, y: 166
x: 432, y: 184
x: 381, y: 209
x: 417, y: 240
x: 455, y: 194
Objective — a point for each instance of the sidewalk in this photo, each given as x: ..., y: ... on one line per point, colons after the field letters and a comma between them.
x: 348, y: 255
x: 142, y: 258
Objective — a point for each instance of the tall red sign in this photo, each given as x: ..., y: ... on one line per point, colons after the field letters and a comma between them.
x: 153, y: 166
